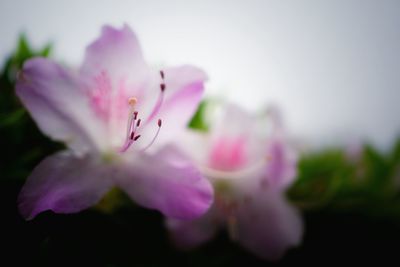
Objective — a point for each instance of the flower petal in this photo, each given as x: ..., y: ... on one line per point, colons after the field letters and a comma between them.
x: 177, y: 78
x: 114, y: 70
x: 58, y: 104
x: 169, y: 183
x: 195, y: 144
x: 63, y: 183
x: 267, y: 225
x: 234, y: 121
x: 116, y: 51
x: 282, y: 165
x: 240, y: 133
x: 190, y: 234
x: 184, y: 89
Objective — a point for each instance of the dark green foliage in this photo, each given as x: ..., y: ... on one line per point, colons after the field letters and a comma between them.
x: 22, y: 144
x: 331, y: 180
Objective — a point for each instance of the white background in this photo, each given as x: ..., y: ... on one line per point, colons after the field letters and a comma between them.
x: 332, y: 66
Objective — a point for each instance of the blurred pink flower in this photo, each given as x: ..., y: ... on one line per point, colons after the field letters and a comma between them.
x: 108, y: 113
x: 250, y: 168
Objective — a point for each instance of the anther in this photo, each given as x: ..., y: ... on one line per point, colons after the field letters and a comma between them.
x: 158, y: 104
x: 162, y: 74
x: 162, y: 86
x: 136, y: 137
x: 135, y: 115
x: 138, y: 123
x: 159, y: 122
x: 132, y: 135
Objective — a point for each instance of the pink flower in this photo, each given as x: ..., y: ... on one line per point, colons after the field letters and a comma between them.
x: 250, y: 168
x: 108, y: 113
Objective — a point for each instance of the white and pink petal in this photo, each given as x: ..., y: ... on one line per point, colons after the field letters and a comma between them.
x: 267, y: 225
x: 281, y: 168
x: 183, y: 92
x: 64, y: 183
x: 190, y: 234
x: 118, y: 53
x: 168, y: 182
x: 55, y: 99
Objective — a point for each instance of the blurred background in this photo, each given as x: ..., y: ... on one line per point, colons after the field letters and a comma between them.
x: 331, y: 66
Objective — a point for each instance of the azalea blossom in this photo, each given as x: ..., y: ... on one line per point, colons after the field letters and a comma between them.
x: 250, y: 165
x: 117, y: 116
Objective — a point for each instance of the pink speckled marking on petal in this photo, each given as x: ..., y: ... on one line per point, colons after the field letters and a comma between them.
x: 100, y: 96
x: 238, y: 155
x: 121, y: 105
x: 109, y: 102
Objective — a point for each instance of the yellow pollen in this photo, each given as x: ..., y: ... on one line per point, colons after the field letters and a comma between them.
x: 132, y: 101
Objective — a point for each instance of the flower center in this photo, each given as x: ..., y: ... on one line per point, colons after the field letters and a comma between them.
x: 229, y: 159
x: 229, y: 153
x: 134, y: 121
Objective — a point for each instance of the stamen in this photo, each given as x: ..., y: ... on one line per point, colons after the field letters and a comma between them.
x: 132, y: 138
x: 160, y: 100
x: 130, y: 131
x: 134, y: 121
x: 158, y: 105
x: 132, y: 115
x: 159, y: 123
x: 135, y: 125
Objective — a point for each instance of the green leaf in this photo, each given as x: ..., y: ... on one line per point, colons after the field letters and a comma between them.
x: 198, y: 122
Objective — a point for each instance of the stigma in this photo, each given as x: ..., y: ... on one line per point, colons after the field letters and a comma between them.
x: 132, y: 101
